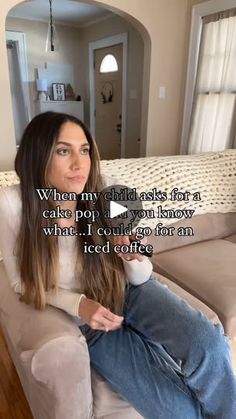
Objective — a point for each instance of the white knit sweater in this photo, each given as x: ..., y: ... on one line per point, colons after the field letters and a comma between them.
x: 69, y: 296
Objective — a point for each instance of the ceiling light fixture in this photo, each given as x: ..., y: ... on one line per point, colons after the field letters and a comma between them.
x: 51, y: 35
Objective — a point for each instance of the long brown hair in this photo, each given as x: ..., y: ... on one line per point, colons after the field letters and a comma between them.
x: 103, y: 278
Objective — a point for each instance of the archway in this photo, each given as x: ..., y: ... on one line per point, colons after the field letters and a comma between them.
x: 146, y: 69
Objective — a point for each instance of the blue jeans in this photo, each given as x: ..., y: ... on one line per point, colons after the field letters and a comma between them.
x: 167, y: 360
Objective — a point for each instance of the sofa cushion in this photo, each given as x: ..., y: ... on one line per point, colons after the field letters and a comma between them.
x: 107, y: 403
x: 231, y: 238
x: 205, y: 227
x: 206, y: 270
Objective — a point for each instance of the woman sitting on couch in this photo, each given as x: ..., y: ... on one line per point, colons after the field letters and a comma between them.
x: 159, y: 353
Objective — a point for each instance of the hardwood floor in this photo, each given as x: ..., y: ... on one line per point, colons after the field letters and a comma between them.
x: 13, y: 404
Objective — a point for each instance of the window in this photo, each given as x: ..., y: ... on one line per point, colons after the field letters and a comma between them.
x: 213, y: 121
x: 108, y: 64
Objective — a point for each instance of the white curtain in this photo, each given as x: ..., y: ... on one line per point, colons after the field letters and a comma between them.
x: 214, y: 115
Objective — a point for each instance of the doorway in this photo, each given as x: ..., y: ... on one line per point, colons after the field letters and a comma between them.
x: 108, y: 100
x: 108, y: 92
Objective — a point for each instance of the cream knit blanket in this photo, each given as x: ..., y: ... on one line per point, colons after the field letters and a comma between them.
x: 213, y: 175
x: 210, y: 176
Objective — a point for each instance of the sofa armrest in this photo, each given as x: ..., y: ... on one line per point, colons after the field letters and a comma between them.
x: 27, y: 327
x: 56, y: 377
x: 50, y: 354
x: 60, y: 380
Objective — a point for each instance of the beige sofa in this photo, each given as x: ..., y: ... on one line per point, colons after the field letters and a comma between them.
x: 47, y: 348
x: 202, y: 263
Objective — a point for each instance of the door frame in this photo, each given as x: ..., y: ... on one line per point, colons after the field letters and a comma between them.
x: 103, y: 43
x: 21, y: 39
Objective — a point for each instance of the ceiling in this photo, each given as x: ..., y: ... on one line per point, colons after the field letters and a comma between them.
x: 71, y: 13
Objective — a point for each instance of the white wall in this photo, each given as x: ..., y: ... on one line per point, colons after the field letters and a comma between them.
x: 36, y: 34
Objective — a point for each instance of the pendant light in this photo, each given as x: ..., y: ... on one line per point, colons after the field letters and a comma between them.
x: 51, y: 35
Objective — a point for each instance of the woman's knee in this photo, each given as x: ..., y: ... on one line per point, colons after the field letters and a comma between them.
x: 197, y: 331
x: 211, y: 338
x: 219, y: 344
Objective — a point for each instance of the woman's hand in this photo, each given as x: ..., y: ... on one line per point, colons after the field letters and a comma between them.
x: 127, y: 240
x: 97, y: 316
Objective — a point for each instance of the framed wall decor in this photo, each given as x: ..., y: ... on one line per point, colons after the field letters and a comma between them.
x: 58, y: 91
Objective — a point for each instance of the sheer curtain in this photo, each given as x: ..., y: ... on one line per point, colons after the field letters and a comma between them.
x: 213, y: 120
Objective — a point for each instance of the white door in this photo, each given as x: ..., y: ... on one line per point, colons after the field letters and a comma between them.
x: 108, y: 101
